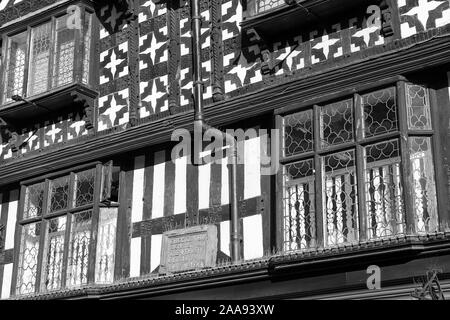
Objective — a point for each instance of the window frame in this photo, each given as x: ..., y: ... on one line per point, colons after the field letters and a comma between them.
x: 39, y: 287
x: 79, y: 48
x: 402, y: 134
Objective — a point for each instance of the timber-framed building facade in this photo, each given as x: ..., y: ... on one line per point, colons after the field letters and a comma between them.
x: 353, y: 96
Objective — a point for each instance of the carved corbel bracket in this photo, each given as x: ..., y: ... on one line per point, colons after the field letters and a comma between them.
x: 387, y: 28
x: 88, y: 103
x: 8, y: 133
x: 266, y: 57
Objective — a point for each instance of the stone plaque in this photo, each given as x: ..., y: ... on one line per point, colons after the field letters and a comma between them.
x: 189, y: 249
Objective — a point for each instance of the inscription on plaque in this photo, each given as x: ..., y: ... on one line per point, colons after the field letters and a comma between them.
x: 189, y: 249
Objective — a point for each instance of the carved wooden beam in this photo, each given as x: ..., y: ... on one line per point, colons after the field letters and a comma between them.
x: 266, y: 57
x: 113, y: 15
x: 88, y: 102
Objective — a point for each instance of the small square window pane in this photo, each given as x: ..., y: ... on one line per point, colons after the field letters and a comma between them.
x: 34, y: 199
x: 54, y: 253
x: 299, y: 206
x: 341, y: 202
x: 384, y: 192
x: 84, y: 188
x: 59, y: 194
x: 28, y: 258
x: 418, y: 108
x: 380, y: 112
x: 298, y: 133
x: 336, y: 123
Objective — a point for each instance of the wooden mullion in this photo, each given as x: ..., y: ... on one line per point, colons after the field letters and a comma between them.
x: 360, y: 168
x: 279, y: 191
x: 406, y: 172
x: 26, y: 72
x: 94, y: 68
x: 79, y: 50
x: 52, y: 53
x: 4, y: 67
x: 42, y: 235
x: 17, y: 238
x: 94, y: 224
x: 320, y: 232
x: 72, y: 187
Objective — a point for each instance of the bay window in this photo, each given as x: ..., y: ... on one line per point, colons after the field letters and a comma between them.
x: 358, y: 168
x: 67, y: 237
x: 47, y: 56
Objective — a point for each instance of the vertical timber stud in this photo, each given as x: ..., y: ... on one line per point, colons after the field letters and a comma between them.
x: 133, y: 58
x: 146, y: 240
x: 43, y: 230
x: 318, y: 167
x: 173, y: 21
x: 123, y: 241
x: 265, y: 201
x: 360, y: 169
x: 17, y: 235
x: 406, y: 173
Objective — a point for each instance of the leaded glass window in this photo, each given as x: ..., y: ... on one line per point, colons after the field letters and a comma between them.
x: 369, y: 166
x: 57, y: 225
x: 49, y: 55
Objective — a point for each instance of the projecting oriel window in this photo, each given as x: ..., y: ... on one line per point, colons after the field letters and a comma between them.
x: 359, y: 168
x: 48, y: 55
x: 59, y: 218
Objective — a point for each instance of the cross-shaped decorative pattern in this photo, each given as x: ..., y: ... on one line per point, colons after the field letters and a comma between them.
x: 113, y: 110
x: 421, y: 15
x: 113, y: 63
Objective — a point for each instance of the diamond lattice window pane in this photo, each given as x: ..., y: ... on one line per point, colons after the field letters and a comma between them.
x: 15, y: 72
x: 385, y: 210
x: 59, y: 194
x: 299, y: 212
x: 336, y: 123
x: 380, y: 112
x: 80, y: 239
x: 54, y: 253
x: 298, y: 133
x: 39, y: 59
x: 341, y: 202
x: 28, y: 258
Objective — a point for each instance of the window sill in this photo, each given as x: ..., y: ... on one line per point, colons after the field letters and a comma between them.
x: 307, y: 263
x: 60, y: 99
x: 290, y: 18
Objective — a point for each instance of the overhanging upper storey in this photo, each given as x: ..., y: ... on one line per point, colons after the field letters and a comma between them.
x: 47, y: 63
x: 274, y: 18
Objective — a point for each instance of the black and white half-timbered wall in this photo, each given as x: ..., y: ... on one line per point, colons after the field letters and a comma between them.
x: 354, y: 96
